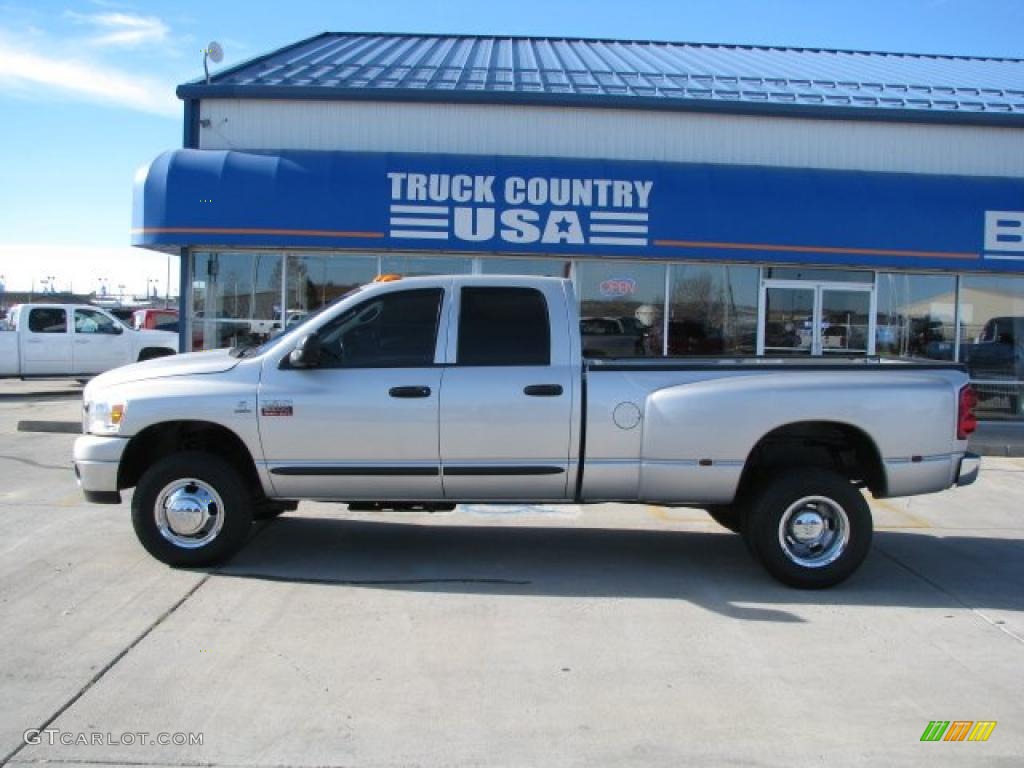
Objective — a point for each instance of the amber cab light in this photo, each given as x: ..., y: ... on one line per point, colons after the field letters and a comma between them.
x: 966, y: 420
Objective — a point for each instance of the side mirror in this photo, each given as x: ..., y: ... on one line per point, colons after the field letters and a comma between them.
x: 306, y: 353
x: 117, y: 330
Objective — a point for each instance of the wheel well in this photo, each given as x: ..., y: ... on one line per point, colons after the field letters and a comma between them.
x: 830, y: 445
x: 151, y: 353
x: 160, y: 440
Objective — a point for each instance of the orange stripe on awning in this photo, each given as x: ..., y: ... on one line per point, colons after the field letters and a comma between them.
x: 238, y: 231
x: 814, y: 249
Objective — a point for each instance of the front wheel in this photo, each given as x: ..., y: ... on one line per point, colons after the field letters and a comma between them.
x: 192, y: 509
x: 810, y: 528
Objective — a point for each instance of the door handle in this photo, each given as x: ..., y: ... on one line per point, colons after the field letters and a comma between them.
x: 543, y: 390
x: 407, y: 392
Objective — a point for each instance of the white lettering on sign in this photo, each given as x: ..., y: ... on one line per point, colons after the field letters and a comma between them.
x: 1004, y: 235
x: 537, y: 209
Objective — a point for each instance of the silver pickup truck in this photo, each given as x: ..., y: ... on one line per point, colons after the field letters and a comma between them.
x: 422, y: 393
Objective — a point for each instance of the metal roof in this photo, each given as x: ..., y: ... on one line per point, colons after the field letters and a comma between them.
x: 630, y: 73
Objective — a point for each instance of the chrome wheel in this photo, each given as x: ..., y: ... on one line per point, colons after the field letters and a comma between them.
x: 189, y: 513
x: 814, y: 531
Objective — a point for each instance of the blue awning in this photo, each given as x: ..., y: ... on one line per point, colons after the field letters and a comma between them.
x: 570, y: 207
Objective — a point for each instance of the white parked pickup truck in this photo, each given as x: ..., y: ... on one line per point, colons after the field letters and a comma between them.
x: 73, y: 340
x: 426, y: 392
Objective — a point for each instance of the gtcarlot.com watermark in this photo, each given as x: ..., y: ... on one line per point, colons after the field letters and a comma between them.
x: 55, y: 736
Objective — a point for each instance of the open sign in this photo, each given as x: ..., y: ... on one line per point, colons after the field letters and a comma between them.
x: 618, y: 286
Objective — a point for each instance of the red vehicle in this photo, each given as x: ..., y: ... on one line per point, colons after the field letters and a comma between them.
x: 155, y: 319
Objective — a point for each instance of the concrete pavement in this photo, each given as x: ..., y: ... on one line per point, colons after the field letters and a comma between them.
x: 605, y: 635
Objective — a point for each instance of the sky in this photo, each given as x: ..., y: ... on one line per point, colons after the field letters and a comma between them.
x: 87, y: 88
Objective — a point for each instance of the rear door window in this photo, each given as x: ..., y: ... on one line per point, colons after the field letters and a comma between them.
x: 503, y: 326
x: 48, y: 320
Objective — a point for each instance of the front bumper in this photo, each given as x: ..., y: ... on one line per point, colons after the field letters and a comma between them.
x: 96, y: 462
x: 967, y: 473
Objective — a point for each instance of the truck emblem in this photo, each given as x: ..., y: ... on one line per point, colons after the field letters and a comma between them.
x: 277, y: 408
x: 243, y: 407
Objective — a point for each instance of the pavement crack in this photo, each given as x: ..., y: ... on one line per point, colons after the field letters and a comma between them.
x: 110, y: 665
x: 39, y: 465
x: 952, y: 596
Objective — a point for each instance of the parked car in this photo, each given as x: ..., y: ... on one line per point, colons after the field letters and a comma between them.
x: 433, y: 391
x: 612, y: 337
x: 73, y: 340
x: 125, y: 314
x: 155, y: 319
x: 997, y: 357
x: 692, y: 337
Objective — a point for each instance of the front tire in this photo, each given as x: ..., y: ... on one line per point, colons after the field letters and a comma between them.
x: 192, y: 509
x: 810, y: 528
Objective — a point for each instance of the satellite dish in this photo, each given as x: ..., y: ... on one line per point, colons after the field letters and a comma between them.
x: 212, y: 51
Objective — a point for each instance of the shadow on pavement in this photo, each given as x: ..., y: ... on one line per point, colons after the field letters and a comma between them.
x: 712, y: 570
x: 57, y: 394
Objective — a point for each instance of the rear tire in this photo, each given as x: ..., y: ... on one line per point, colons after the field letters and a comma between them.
x: 810, y: 528
x: 192, y: 509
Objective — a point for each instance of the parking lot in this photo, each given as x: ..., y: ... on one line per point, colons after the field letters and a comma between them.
x: 526, y: 636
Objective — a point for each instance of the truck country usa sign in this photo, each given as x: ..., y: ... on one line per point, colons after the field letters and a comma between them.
x: 363, y: 201
x: 519, y: 210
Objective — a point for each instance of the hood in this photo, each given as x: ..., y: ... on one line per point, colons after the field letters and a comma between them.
x: 193, y: 363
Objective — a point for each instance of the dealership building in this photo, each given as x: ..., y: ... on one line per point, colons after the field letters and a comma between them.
x: 704, y: 199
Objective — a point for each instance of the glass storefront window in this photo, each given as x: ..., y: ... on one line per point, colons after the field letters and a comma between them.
x: 992, y: 341
x: 713, y: 310
x: 235, y: 298
x: 621, y: 308
x: 915, y: 316
x: 316, y: 279
x: 411, y: 266
x: 789, y: 321
x: 540, y: 267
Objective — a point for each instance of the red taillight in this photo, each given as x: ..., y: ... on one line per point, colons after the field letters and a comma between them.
x: 966, y: 421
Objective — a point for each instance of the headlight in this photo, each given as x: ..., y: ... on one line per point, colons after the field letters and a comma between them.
x: 104, y: 418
